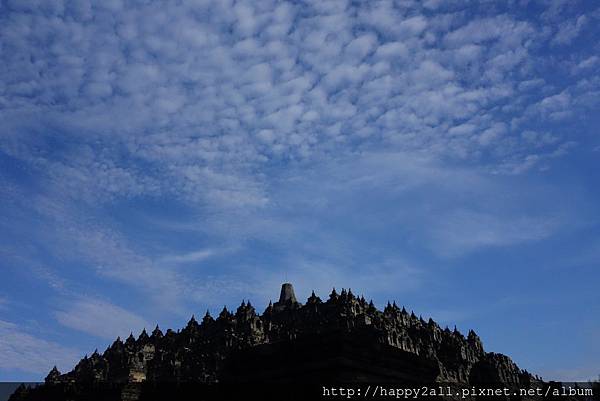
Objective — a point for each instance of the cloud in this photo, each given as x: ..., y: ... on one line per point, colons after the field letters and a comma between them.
x: 217, y: 119
x: 466, y: 215
x: 347, y: 139
x: 462, y: 231
x: 190, y: 257
x: 382, y: 278
x: 586, y: 64
x: 100, y: 318
x: 569, y: 30
x: 222, y: 140
x: 28, y: 353
x: 144, y: 114
x: 582, y: 374
x: 392, y: 277
x: 507, y: 30
x: 555, y: 106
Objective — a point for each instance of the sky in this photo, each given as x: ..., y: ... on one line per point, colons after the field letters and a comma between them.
x: 162, y: 158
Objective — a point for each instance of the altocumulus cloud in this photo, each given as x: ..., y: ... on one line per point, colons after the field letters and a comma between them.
x: 203, y: 93
x: 206, y: 102
x: 188, y: 149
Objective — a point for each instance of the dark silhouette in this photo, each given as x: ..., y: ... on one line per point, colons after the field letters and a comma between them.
x: 342, y: 340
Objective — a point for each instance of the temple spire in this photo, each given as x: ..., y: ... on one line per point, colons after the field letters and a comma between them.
x: 287, y: 294
x: 287, y: 298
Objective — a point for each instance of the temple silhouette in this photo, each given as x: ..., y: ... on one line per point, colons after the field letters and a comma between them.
x: 344, y: 339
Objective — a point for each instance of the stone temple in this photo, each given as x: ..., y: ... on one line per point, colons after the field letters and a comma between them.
x: 344, y: 339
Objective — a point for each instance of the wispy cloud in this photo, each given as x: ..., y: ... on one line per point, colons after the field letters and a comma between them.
x: 100, y: 318
x: 569, y: 30
x: 28, y: 353
x: 472, y: 210
x: 583, y: 374
x: 338, y: 141
x: 189, y: 257
x: 388, y: 278
x: 461, y: 231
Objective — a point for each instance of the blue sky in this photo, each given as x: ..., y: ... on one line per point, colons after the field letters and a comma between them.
x: 161, y: 158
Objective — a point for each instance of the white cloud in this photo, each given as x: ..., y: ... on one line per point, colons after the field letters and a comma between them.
x: 508, y: 31
x: 190, y: 257
x: 450, y: 211
x: 265, y: 119
x: 555, y: 107
x: 23, y: 351
x: 198, y: 105
x: 360, y: 47
x: 569, y: 30
x: 100, y: 318
x: 586, y: 64
x: 579, y: 374
x: 490, y: 134
x: 392, y: 277
x: 462, y: 231
x: 74, y: 236
x: 385, y: 278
